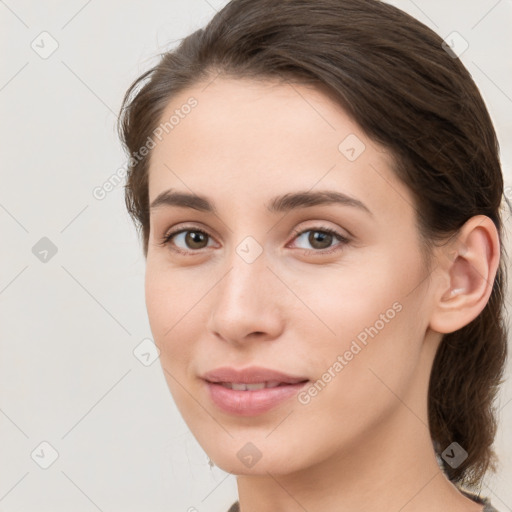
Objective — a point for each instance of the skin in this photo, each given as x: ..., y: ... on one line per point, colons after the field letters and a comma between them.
x: 363, y: 442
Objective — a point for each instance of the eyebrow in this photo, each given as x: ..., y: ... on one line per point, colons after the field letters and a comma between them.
x: 278, y: 204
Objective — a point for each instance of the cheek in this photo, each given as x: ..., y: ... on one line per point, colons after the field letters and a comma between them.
x: 378, y: 325
x: 359, y: 386
x: 362, y: 299
x: 159, y: 298
x: 167, y: 303
x: 169, y: 294
x: 177, y: 303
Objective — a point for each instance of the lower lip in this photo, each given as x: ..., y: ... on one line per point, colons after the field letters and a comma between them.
x: 251, y: 402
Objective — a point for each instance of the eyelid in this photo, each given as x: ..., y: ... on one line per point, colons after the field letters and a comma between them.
x: 166, y: 238
x: 321, y: 226
x: 342, y: 239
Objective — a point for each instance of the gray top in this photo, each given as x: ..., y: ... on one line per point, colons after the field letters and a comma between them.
x: 235, y: 507
x: 484, y: 501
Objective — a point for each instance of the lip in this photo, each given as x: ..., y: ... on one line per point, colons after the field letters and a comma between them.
x: 250, y: 375
x: 250, y: 402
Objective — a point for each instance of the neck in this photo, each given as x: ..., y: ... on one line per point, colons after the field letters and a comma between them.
x: 391, y: 466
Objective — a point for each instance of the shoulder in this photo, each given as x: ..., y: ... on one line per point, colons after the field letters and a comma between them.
x: 488, y: 507
x: 478, y: 499
x: 484, y: 501
x: 235, y: 507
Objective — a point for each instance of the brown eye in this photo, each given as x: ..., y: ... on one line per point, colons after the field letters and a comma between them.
x: 196, y: 239
x: 186, y: 240
x: 321, y: 239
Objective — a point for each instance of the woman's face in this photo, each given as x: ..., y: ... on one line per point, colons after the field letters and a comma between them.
x: 251, y: 285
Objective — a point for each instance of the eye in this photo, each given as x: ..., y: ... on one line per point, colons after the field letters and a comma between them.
x: 190, y: 238
x: 321, y: 238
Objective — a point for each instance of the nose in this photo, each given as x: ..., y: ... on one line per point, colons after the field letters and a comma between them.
x: 247, y: 303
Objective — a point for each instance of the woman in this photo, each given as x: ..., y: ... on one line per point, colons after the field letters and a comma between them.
x: 318, y: 189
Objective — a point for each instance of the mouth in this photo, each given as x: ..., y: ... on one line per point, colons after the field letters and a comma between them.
x: 257, y: 375
x: 251, y: 399
x: 240, y: 386
x: 251, y: 390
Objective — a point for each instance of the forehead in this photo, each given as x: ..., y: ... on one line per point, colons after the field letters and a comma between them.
x: 261, y: 138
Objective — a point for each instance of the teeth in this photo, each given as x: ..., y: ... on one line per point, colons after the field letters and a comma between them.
x: 248, y: 387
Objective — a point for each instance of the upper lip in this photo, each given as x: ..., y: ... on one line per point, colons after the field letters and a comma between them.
x: 250, y: 375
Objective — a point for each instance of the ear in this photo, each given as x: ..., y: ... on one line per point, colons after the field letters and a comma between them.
x: 467, y: 266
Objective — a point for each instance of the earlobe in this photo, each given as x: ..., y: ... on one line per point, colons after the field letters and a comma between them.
x: 467, y: 277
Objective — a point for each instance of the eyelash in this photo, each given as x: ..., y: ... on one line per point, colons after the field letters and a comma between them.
x: 166, y: 239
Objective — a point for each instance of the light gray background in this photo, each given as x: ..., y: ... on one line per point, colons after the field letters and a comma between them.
x: 69, y: 326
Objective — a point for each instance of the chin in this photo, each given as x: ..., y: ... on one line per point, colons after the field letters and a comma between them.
x: 243, y: 457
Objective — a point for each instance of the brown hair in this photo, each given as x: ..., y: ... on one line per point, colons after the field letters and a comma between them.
x: 394, y: 77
